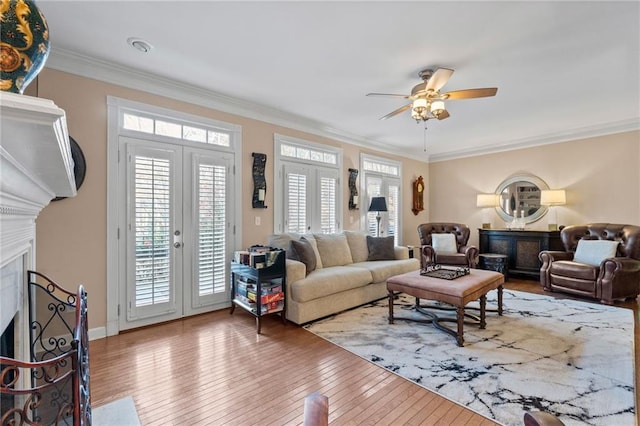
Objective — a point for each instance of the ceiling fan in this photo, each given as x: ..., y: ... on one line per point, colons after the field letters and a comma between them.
x: 426, y: 100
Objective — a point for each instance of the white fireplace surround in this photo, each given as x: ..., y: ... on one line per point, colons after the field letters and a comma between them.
x: 35, y: 167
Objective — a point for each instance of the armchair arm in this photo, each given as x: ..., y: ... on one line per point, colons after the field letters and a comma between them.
x: 471, y: 253
x: 547, y: 257
x: 427, y: 256
x: 619, y: 277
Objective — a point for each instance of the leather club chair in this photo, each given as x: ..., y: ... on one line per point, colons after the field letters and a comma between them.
x: 466, y: 255
x: 614, y: 278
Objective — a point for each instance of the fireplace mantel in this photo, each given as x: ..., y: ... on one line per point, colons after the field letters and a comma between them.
x: 35, y: 167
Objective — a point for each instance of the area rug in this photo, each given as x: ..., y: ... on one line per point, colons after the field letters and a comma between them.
x: 121, y: 412
x: 569, y: 358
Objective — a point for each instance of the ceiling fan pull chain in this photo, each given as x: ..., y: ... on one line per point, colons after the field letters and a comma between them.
x: 425, y: 136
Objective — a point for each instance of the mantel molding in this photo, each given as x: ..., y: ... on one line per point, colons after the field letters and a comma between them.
x: 35, y: 167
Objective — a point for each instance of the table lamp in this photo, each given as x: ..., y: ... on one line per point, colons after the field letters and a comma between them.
x: 551, y: 198
x: 486, y: 201
x: 378, y: 204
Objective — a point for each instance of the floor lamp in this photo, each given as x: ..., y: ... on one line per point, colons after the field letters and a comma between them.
x: 378, y: 204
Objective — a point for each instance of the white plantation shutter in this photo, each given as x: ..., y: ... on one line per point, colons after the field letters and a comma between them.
x: 152, y: 230
x: 374, y: 188
x: 296, y: 201
x: 393, y: 215
x: 328, y: 199
x: 212, y: 218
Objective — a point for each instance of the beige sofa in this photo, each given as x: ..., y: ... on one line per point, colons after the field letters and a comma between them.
x: 344, y: 277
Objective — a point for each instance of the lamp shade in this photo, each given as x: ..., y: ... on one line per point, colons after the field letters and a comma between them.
x: 553, y: 197
x: 487, y: 200
x: 378, y: 204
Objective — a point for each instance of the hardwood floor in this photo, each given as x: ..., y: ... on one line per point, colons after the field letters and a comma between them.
x: 214, y: 369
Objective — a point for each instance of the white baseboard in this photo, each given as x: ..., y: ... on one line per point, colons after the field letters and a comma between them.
x: 97, y: 333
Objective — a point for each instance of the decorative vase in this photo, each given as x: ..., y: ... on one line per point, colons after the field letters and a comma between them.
x: 24, y: 44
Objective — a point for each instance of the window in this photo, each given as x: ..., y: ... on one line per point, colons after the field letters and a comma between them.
x: 307, y: 193
x: 138, y: 122
x: 381, y: 177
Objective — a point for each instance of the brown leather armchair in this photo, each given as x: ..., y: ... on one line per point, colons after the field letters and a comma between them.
x: 614, y: 278
x: 466, y: 255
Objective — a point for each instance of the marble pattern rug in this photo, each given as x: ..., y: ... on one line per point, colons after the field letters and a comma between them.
x: 570, y: 358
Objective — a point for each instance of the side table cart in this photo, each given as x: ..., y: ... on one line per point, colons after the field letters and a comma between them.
x: 260, y: 291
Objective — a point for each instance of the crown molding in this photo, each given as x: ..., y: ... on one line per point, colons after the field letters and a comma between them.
x: 108, y: 72
x: 602, y: 129
x: 93, y: 68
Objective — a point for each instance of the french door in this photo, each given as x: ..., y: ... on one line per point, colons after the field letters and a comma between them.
x: 177, y: 231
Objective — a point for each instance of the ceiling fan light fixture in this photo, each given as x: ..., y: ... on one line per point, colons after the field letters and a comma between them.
x: 437, y: 107
x: 419, y: 105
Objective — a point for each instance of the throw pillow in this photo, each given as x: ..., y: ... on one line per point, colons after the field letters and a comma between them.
x: 303, y: 250
x: 444, y: 243
x: 358, y: 245
x: 593, y: 252
x: 334, y: 249
x: 309, y: 237
x: 282, y: 241
x: 380, y: 248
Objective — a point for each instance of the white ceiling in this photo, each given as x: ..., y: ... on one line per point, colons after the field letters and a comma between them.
x: 563, y: 69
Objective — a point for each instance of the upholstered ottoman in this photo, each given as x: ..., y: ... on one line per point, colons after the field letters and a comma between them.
x: 457, y: 292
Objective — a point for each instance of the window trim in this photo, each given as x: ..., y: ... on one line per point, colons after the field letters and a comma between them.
x: 278, y: 169
x: 115, y: 113
x: 384, y: 176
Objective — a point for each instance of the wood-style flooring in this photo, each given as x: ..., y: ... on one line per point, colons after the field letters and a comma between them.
x: 214, y: 369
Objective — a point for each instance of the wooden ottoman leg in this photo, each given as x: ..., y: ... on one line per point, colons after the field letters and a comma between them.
x: 483, y: 311
x: 390, y: 307
x: 460, y: 318
x: 500, y: 300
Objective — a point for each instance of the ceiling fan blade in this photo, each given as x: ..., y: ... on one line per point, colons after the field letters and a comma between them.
x: 439, y: 79
x: 388, y: 94
x: 396, y: 112
x: 444, y: 114
x: 470, y: 93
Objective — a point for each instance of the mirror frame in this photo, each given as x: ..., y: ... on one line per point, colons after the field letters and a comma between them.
x: 522, y: 177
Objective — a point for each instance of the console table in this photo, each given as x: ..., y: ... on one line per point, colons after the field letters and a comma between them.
x: 521, y: 247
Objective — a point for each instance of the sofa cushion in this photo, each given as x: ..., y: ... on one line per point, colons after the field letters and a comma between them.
x: 358, y: 245
x: 334, y: 249
x: 380, y: 248
x: 593, y: 252
x: 304, y: 252
x: 452, y: 259
x: 444, y: 243
x: 382, y: 269
x: 327, y: 281
x: 577, y: 270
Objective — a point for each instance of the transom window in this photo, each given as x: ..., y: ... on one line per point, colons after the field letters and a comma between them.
x: 174, y: 129
x: 314, y: 154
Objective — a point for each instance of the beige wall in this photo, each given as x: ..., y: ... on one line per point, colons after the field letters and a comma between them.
x: 71, y: 234
x: 601, y: 177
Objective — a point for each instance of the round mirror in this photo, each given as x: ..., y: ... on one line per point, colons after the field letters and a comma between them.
x: 521, y: 193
